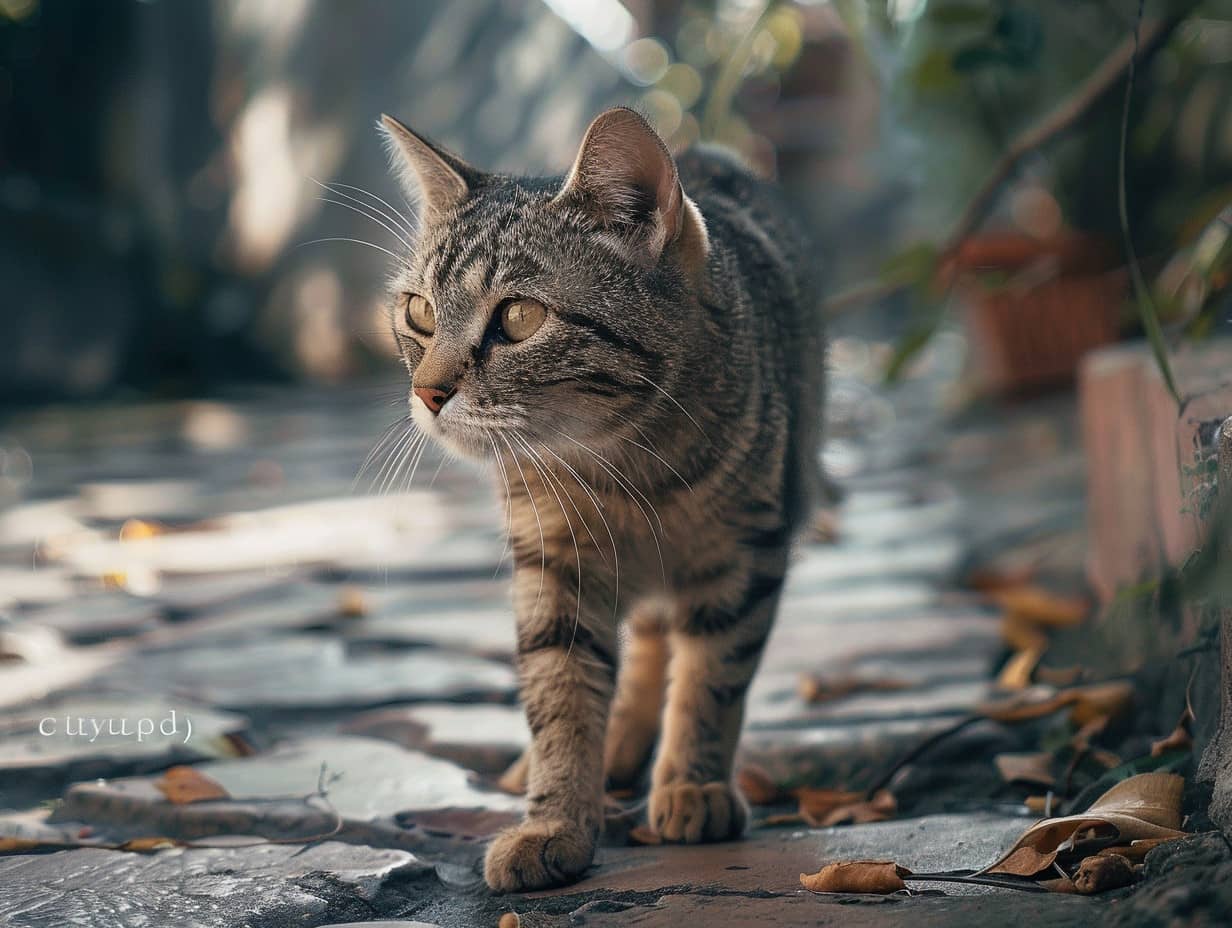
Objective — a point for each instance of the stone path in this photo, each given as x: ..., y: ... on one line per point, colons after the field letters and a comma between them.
x: 213, y: 560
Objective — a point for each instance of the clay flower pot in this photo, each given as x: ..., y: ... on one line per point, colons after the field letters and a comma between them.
x: 1034, y: 308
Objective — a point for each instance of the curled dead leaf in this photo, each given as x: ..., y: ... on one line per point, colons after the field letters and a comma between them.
x: 1038, y: 606
x: 352, y: 604
x: 1017, y: 672
x: 814, y: 689
x: 1034, y: 768
x: 1146, y: 806
x: 1085, y: 703
x: 509, y: 920
x: 822, y: 808
x: 183, y: 785
x: 643, y: 834
x: 1103, y: 872
x: 758, y: 787
x: 146, y: 845
x: 1181, y: 738
x: 857, y: 876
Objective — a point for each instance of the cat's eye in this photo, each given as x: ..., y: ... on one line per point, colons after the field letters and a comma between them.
x: 420, y: 316
x: 520, y: 319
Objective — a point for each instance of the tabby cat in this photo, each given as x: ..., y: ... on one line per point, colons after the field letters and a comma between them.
x: 636, y: 347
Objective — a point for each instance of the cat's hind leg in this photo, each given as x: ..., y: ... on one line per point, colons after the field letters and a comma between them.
x: 716, y: 642
x: 637, y: 709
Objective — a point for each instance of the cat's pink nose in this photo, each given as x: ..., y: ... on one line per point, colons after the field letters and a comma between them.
x: 434, y: 397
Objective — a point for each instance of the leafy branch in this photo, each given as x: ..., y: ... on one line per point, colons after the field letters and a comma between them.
x: 1148, y: 38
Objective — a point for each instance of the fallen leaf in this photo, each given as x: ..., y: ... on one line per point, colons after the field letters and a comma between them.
x: 509, y: 920
x: 1103, y: 872
x: 1022, y: 635
x: 1061, y: 884
x: 1035, y: 769
x: 857, y: 876
x: 1025, y: 861
x: 145, y: 845
x: 1142, y: 807
x: 758, y: 787
x: 513, y: 780
x: 183, y: 785
x: 822, y: 808
x: 785, y: 818
x: 1040, y: 805
x: 992, y: 579
x: 1086, y: 703
x: 1016, y: 674
x: 1038, y: 606
x: 827, y: 689
x: 352, y: 604
x: 1181, y: 738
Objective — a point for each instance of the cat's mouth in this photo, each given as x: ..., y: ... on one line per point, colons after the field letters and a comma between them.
x: 457, y: 427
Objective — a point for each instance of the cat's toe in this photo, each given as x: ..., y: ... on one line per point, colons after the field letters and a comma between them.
x: 537, y: 854
x: 694, y: 812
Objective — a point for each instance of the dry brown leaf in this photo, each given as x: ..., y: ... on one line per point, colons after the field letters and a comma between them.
x: 1035, y: 769
x: 9, y: 845
x: 1037, y: 804
x: 993, y: 580
x: 758, y: 786
x: 1022, y: 635
x: 352, y: 604
x: 1103, y: 872
x: 1085, y: 703
x: 1016, y: 674
x: 1061, y: 884
x: 513, y: 780
x: 509, y: 920
x: 182, y: 785
x: 827, y: 689
x: 785, y: 818
x: 1181, y: 738
x: 1142, y: 807
x: 1039, y: 607
x: 1024, y: 861
x: 822, y: 808
x: 145, y: 845
x: 857, y: 876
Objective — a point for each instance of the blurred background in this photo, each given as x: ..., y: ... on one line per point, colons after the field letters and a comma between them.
x: 160, y: 163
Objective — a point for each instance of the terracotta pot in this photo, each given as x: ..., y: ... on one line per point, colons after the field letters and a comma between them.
x: 1033, y: 308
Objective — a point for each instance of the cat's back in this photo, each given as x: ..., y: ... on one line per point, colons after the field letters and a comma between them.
x: 761, y: 250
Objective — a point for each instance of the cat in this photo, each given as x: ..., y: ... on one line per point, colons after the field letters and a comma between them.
x: 637, y: 349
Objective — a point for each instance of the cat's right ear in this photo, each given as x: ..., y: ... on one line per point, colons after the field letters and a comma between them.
x: 436, y: 178
x: 626, y: 178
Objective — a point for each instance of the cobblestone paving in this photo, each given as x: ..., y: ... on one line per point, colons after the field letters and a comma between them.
x: 215, y: 565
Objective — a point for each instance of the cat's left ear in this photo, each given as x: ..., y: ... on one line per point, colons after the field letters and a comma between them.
x: 437, y: 178
x: 625, y: 176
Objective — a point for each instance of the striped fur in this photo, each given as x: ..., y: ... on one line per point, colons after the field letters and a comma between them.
x: 656, y: 443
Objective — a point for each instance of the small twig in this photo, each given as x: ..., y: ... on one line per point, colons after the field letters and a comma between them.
x: 1026, y: 887
x: 918, y: 750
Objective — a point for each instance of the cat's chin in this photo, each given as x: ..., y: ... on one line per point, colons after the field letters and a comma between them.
x: 453, y: 434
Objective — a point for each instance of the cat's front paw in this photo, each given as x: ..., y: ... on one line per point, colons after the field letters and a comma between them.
x: 694, y: 812
x: 536, y: 854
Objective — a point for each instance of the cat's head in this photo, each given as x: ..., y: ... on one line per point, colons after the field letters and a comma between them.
x: 544, y: 310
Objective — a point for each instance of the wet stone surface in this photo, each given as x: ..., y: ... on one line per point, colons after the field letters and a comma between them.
x: 346, y: 660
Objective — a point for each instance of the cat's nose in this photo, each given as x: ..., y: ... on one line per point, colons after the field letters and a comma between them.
x: 434, y: 397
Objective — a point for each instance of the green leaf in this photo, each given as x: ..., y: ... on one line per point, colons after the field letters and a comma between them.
x: 916, y: 265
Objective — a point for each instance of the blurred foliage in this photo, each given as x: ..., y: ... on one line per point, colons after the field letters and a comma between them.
x: 967, y: 76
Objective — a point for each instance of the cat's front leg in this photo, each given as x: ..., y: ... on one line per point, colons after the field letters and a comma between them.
x: 715, y: 648
x: 567, y: 668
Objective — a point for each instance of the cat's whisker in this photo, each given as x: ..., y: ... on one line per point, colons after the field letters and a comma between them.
x: 508, y: 505
x: 410, y: 464
x: 543, y: 554
x: 589, y: 491
x: 391, y: 452
x: 577, y: 550
x: 393, y: 215
x: 356, y: 241
x: 402, y: 450
x: 674, y: 400
x: 629, y: 491
x: 367, y: 215
x: 385, y: 438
